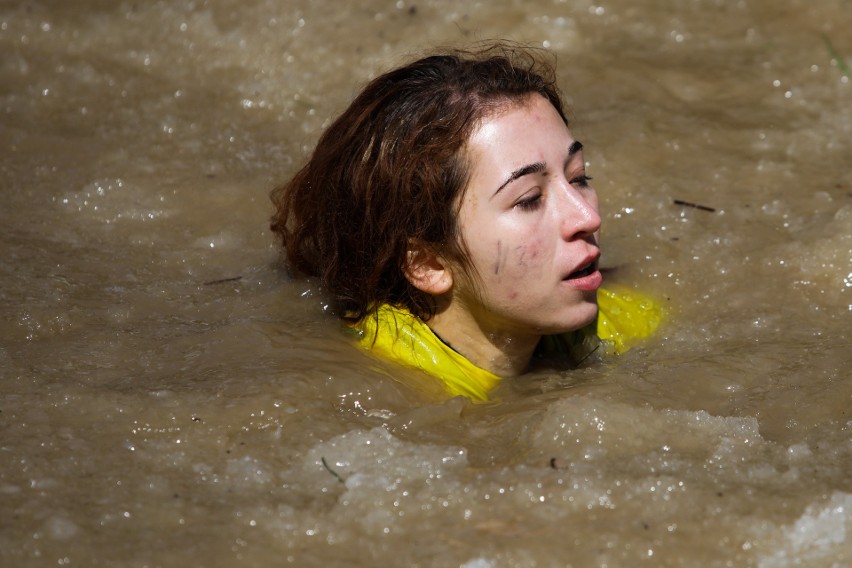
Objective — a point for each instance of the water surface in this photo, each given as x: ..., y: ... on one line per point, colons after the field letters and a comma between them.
x: 170, y: 396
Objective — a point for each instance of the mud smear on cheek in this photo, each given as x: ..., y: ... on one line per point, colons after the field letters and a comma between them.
x: 502, y: 256
x: 525, y: 259
x: 521, y: 253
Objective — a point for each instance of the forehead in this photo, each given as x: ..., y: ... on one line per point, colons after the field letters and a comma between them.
x: 503, y: 107
x: 516, y: 130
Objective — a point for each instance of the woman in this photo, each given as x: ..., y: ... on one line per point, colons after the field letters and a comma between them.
x: 448, y: 214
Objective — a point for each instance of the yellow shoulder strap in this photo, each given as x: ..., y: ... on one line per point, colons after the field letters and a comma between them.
x: 396, y: 334
x: 625, y: 316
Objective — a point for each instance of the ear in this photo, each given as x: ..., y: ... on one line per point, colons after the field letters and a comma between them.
x: 427, y: 270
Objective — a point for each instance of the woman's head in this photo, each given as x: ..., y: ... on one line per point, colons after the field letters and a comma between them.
x: 387, y: 176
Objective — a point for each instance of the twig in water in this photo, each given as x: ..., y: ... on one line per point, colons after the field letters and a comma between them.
x: 331, y: 471
x: 694, y: 205
x: 836, y: 56
x: 589, y: 354
x: 223, y: 280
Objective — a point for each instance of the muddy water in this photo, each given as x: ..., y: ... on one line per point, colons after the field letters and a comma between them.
x: 170, y: 397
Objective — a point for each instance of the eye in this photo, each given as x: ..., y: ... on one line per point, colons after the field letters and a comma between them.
x: 530, y: 202
x: 582, y: 180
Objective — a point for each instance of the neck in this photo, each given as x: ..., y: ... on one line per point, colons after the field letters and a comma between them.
x: 503, y: 353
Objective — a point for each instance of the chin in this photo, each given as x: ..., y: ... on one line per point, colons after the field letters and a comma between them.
x: 580, y: 317
x: 585, y: 313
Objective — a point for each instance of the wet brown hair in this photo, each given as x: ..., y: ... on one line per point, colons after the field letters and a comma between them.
x: 391, y: 170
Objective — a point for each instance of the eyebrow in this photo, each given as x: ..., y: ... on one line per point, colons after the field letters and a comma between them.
x: 538, y: 167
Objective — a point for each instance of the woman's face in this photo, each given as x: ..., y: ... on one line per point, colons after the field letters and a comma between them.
x: 529, y: 220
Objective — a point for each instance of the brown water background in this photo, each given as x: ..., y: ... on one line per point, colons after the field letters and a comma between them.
x: 170, y: 397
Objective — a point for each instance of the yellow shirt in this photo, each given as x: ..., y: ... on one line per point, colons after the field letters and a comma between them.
x: 394, y: 333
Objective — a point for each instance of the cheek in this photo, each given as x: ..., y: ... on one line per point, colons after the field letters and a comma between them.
x: 508, y: 260
x: 527, y: 257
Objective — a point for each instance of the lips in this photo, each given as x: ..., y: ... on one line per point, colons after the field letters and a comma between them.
x: 590, y: 267
x: 587, y: 277
x: 585, y: 271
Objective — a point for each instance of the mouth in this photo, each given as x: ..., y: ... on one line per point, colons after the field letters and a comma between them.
x: 586, y: 270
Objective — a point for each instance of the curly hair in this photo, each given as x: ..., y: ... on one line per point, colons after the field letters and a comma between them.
x: 392, y: 170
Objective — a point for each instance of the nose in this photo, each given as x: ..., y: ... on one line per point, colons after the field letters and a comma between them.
x: 579, y: 213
